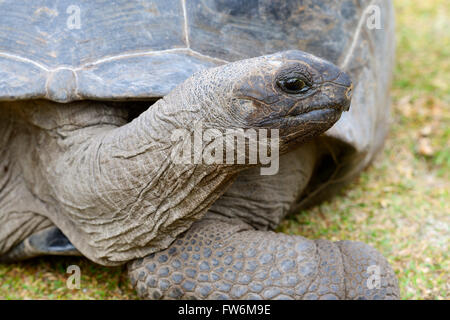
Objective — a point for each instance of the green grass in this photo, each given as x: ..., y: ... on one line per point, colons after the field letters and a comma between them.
x: 400, y: 205
x: 46, y: 278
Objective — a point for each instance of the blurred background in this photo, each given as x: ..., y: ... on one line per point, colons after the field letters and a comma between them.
x: 400, y: 205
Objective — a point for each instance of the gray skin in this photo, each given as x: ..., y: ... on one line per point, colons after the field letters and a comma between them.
x: 116, y: 194
x: 114, y: 189
x: 80, y: 179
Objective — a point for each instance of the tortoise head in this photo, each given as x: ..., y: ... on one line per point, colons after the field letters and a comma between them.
x: 293, y: 91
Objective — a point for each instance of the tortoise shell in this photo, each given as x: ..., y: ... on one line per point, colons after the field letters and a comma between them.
x: 71, y: 50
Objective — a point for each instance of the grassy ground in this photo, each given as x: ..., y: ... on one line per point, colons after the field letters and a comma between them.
x: 400, y: 205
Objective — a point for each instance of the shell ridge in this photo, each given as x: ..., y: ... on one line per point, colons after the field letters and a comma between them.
x: 356, y: 35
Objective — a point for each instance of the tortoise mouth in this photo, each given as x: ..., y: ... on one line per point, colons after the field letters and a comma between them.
x: 327, y: 114
x: 301, y: 120
x: 315, y: 111
x: 301, y: 127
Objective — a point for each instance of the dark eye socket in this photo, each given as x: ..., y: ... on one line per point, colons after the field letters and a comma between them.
x: 293, y: 85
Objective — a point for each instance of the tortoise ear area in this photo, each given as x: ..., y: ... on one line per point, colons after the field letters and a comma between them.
x: 257, y: 88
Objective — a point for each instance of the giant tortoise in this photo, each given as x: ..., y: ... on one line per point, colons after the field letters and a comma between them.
x: 91, y: 94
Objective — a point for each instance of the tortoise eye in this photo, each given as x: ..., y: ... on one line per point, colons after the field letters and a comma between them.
x: 293, y: 85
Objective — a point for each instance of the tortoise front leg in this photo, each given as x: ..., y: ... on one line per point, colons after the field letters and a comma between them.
x: 219, y: 259
x: 223, y: 256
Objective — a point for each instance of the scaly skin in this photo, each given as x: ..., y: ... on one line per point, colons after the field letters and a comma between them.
x: 219, y: 259
x: 226, y: 256
x: 113, y: 188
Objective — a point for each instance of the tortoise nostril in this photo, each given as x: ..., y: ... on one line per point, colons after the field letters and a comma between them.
x: 343, y: 79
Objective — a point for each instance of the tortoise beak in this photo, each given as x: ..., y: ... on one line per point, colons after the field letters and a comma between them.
x: 344, y: 81
x: 348, y: 95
